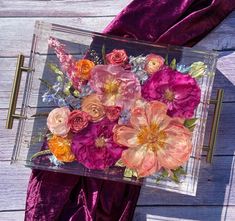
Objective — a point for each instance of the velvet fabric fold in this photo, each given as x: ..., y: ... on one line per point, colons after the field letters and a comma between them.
x: 63, y: 197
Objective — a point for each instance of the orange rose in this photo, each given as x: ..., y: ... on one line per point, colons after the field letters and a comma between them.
x: 92, y: 106
x: 61, y: 148
x: 83, y: 69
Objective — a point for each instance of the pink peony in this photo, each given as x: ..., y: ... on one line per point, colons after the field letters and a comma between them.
x: 180, y: 92
x: 154, y: 140
x: 58, y: 121
x: 117, y: 57
x: 114, y: 85
x: 94, y: 146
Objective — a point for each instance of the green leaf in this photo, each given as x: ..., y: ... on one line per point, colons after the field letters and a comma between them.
x: 130, y: 173
x: 173, y: 64
x: 190, y: 123
x: 55, y: 69
x: 197, y: 69
x: 166, y: 60
x: 41, y: 153
x: 119, y: 163
x: 46, y: 83
x: 104, y: 54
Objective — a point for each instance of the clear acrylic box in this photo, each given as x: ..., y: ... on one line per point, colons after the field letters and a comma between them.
x: 32, y: 126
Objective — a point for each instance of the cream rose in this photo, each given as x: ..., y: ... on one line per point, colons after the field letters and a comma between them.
x: 58, y: 121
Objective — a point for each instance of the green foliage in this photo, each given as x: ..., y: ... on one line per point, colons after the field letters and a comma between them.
x: 190, y: 123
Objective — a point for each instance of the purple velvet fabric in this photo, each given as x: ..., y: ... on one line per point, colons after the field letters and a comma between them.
x: 54, y: 196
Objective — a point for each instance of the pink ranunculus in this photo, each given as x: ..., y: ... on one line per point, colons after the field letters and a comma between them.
x: 154, y: 140
x: 94, y: 146
x: 113, y: 113
x: 78, y: 120
x: 114, y: 85
x: 180, y: 92
x: 58, y: 121
x: 153, y: 63
x: 117, y: 57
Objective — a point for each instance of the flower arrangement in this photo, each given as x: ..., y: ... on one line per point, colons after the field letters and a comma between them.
x: 134, y: 112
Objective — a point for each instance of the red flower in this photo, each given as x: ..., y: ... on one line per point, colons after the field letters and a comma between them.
x: 117, y: 57
x: 78, y: 120
x: 113, y: 112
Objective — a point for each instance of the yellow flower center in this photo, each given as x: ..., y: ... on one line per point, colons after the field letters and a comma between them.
x: 100, y: 142
x: 169, y: 95
x: 151, y: 136
x: 111, y: 87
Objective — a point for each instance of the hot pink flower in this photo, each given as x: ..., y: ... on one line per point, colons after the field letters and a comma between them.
x: 117, y: 57
x: 154, y: 140
x: 153, y: 63
x: 94, y: 146
x: 114, y: 85
x: 180, y: 92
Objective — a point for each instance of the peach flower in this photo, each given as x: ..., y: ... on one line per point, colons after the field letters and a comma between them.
x: 83, y: 69
x: 154, y: 140
x: 153, y: 63
x: 57, y: 121
x: 117, y: 57
x: 92, y: 105
x: 61, y: 148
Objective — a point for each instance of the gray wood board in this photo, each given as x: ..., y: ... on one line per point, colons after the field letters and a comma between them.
x: 215, y: 187
x: 58, y: 8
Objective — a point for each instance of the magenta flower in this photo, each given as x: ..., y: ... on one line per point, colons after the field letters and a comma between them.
x: 94, y: 146
x: 115, y: 85
x: 180, y: 92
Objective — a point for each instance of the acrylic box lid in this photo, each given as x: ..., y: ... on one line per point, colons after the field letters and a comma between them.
x: 43, y: 84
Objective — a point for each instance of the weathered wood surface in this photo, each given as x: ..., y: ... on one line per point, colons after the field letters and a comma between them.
x: 216, y: 190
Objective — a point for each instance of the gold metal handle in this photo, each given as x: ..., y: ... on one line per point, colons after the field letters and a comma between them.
x: 215, y: 123
x: 15, y: 91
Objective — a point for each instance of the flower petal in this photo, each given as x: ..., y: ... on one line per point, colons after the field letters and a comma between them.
x: 177, y: 147
x: 133, y: 158
x: 149, y: 165
x: 125, y: 136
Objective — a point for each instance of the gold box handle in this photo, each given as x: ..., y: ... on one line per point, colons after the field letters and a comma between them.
x: 215, y: 124
x: 15, y: 92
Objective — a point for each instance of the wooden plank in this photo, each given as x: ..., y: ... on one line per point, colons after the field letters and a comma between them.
x: 12, y: 216
x: 215, y: 187
x: 222, y: 37
x: 65, y: 8
x: 15, y: 39
x: 225, y: 139
x: 185, y: 213
x: 161, y: 213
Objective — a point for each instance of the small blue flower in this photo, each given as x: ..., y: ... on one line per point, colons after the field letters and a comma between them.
x: 61, y: 102
x: 182, y: 68
x: 47, y: 98
x: 124, y: 117
x: 54, y: 161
